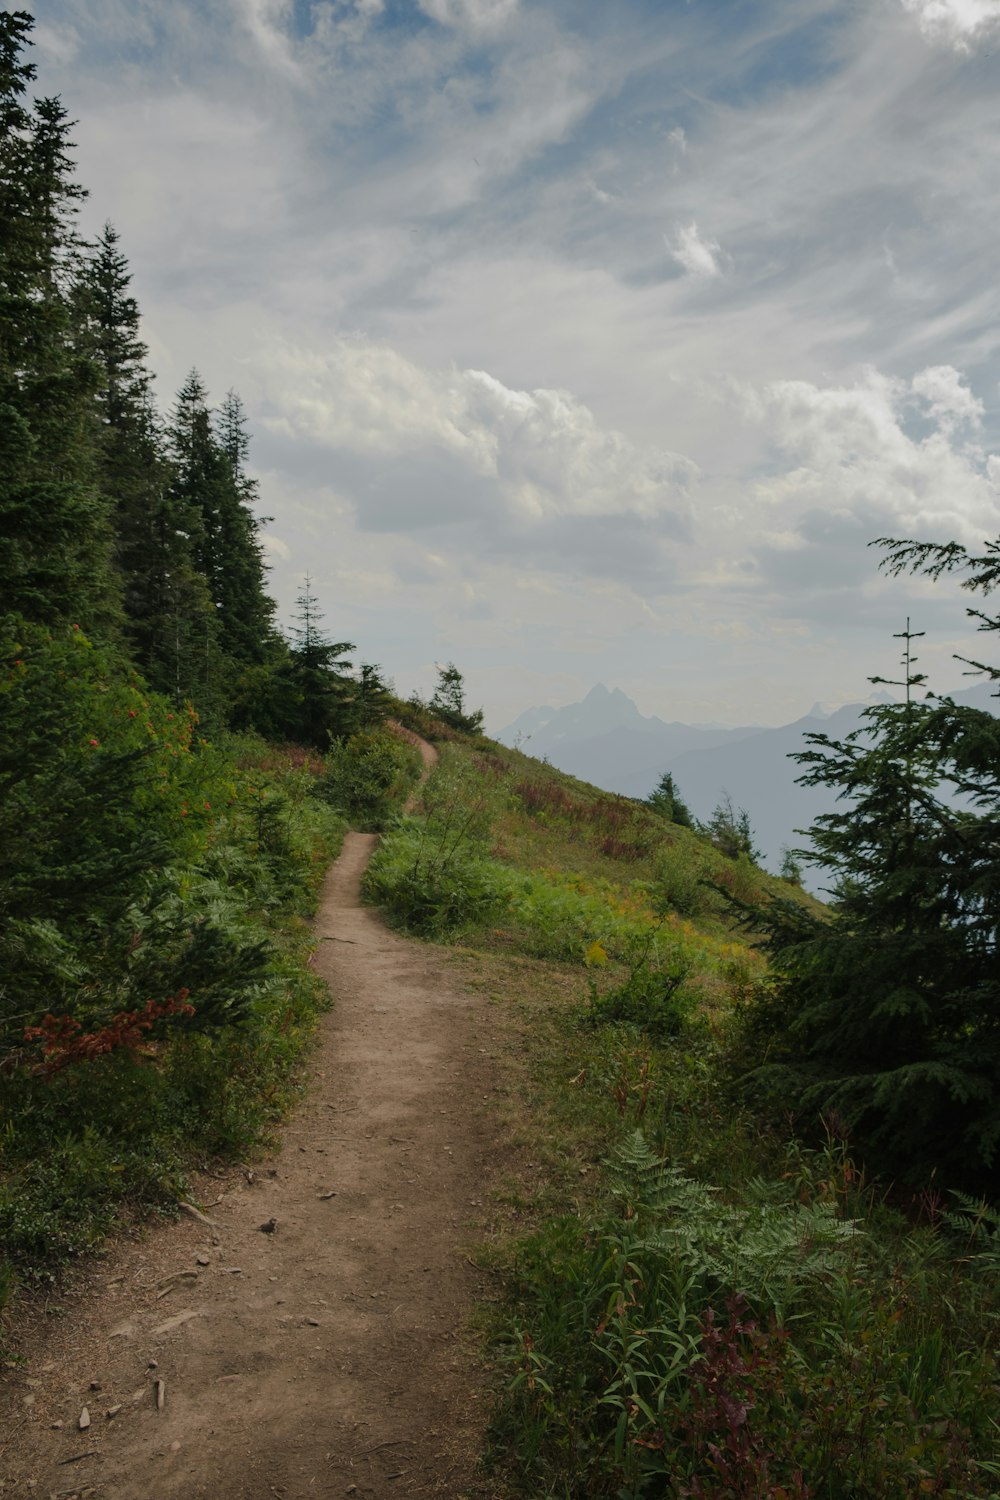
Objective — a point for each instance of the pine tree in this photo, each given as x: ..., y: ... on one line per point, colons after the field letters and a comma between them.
x: 374, y: 696
x: 665, y: 800
x: 55, y: 527
x: 448, y: 701
x: 321, y: 698
x: 246, y: 613
x: 887, y: 1017
x: 730, y: 831
x: 212, y: 495
x: 151, y: 553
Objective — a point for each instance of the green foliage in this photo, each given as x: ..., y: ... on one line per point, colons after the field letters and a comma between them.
x: 682, y: 881
x: 978, y: 1224
x: 652, y: 997
x: 886, y: 1018
x: 690, y: 1343
x: 368, y: 775
x: 155, y: 990
x: 448, y: 701
x: 317, y: 698
x: 730, y: 831
x: 55, y: 525
x: 666, y: 801
x: 436, y: 878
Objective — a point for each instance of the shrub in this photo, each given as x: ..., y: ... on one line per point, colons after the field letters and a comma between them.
x: 652, y: 997
x: 680, y: 883
x: 367, y: 777
x: 437, y: 877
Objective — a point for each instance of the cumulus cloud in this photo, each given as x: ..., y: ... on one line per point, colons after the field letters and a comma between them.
x: 957, y: 22
x: 698, y: 255
x: 949, y: 403
x: 852, y: 445
x: 858, y: 473
x: 530, y: 472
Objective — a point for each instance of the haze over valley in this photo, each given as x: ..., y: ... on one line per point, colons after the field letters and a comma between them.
x: 604, y: 739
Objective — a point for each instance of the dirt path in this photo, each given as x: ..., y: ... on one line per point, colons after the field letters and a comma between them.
x: 322, y: 1358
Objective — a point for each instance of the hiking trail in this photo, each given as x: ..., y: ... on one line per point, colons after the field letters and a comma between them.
x: 311, y: 1340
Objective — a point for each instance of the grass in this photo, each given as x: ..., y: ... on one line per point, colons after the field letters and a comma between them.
x: 694, y: 1302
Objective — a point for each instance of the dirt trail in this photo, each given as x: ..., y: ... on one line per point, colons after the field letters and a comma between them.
x: 325, y: 1357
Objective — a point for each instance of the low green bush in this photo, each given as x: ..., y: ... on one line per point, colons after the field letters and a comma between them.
x: 652, y: 997
x: 434, y: 875
x: 368, y: 776
x: 434, y: 894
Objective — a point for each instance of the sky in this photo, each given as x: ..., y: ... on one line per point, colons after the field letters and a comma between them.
x: 581, y: 340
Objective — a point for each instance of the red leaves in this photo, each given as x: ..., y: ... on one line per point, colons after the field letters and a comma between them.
x: 64, y: 1042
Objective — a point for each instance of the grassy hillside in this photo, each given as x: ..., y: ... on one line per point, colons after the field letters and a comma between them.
x: 693, y: 1302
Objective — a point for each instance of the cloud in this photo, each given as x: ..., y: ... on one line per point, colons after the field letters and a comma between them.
x: 527, y: 474
x: 852, y: 446
x: 266, y: 20
x: 697, y: 255
x: 426, y: 242
x: 61, y: 44
x: 957, y: 22
x: 858, y: 474
x: 473, y: 15
x: 950, y: 403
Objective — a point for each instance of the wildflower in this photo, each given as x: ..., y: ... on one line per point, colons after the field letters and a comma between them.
x: 95, y: 742
x: 131, y: 713
x: 208, y: 807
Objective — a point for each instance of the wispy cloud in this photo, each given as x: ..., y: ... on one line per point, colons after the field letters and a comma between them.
x: 490, y: 273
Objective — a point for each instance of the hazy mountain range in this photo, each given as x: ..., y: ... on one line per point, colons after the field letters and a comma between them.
x: 606, y: 740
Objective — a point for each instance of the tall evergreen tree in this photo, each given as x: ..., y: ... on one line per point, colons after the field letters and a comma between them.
x: 374, y: 697
x: 151, y: 552
x: 55, y: 527
x: 448, y: 701
x: 887, y: 1018
x: 246, y: 611
x: 213, y: 494
x: 321, y: 697
x: 665, y: 799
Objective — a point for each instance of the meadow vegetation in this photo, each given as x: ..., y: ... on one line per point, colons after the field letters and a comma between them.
x: 697, y: 1302
x: 157, y: 994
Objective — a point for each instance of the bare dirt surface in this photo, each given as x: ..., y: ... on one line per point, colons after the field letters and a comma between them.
x: 312, y: 1341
